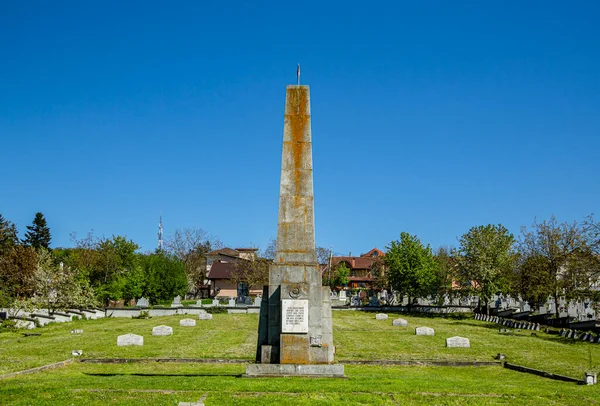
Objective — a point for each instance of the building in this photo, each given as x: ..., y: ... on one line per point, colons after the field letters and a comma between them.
x: 363, y: 269
x: 220, y: 264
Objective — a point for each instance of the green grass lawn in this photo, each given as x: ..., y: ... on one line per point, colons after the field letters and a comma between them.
x: 357, y: 335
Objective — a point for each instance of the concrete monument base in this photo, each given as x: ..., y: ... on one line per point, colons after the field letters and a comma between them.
x: 280, y: 370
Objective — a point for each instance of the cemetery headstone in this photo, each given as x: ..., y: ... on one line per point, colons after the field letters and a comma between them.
x: 424, y: 331
x: 400, y: 323
x: 129, y: 339
x: 231, y: 303
x: 77, y: 331
x: 162, y: 331
x: 187, y: 322
x: 177, y: 302
x: 205, y: 316
x: 143, y: 302
x: 381, y: 316
x: 457, y: 342
x: 354, y: 301
x: 215, y: 302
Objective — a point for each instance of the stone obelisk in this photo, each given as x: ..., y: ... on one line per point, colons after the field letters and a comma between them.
x: 295, y: 334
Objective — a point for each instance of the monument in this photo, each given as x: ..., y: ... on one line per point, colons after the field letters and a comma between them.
x: 295, y: 334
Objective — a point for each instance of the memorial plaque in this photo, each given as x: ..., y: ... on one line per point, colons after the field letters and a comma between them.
x: 294, y: 317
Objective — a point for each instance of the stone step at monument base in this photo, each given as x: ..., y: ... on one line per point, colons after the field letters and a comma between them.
x: 281, y: 370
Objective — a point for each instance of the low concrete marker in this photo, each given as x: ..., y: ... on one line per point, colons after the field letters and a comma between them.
x: 130, y: 339
x: 458, y: 342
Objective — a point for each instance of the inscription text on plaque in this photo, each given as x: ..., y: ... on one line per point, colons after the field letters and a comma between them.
x: 294, y: 317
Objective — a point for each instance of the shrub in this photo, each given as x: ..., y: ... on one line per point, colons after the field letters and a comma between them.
x: 216, y: 310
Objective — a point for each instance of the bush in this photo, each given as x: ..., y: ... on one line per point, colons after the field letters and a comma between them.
x: 216, y: 310
x: 144, y: 314
x: 8, y: 325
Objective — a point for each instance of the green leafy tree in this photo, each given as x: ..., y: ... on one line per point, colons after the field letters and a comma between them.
x: 341, y: 275
x: 38, y: 233
x: 8, y: 235
x: 411, y: 269
x: 447, y: 272
x: 165, y: 277
x: 485, y: 258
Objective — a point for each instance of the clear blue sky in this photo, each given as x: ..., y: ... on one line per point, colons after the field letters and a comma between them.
x: 427, y: 116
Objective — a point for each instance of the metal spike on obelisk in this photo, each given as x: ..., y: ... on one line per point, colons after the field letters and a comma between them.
x: 295, y: 334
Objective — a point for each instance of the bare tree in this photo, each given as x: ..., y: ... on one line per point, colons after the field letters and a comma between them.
x: 556, y: 256
x: 190, y: 246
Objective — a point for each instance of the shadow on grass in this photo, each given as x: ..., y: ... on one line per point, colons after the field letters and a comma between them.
x: 162, y: 375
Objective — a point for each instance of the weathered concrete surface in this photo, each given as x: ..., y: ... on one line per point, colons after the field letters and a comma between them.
x: 294, y: 274
x: 324, y: 371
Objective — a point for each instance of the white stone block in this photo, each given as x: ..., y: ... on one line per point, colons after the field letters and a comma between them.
x: 424, y: 331
x: 187, y: 322
x: 400, y: 323
x: 205, y: 316
x: 381, y: 316
x: 457, y: 342
x: 130, y: 339
x: 162, y: 331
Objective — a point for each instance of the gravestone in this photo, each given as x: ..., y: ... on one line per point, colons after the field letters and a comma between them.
x: 424, y: 331
x: 257, y: 300
x: 130, y: 339
x: 215, y: 302
x: 77, y: 331
x: 400, y: 323
x: 177, y: 302
x: 187, y: 322
x: 205, y: 316
x: 354, y: 301
x: 295, y: 325
x: 231, y: 303
x: 381, y: 316
x: 162, y: 331
x: 457, y: 342
x: 526, y: 307
x: 572, y: 310
x: 199, y: 302
x: 143, y: 303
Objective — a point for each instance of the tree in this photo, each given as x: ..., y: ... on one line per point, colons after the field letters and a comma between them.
x: 190, y: 246
x: 558, y: 256
x: 341, y: 274
x: 254, y: 272
x: 323, y: 255
x: 17, y: 272
x: 411, y: 268
x: 447, y: 271
x: 485, y: 258
x: 269, y: 252
x: 8, y: 235
x: 58, y: 288
x: 165, y: 277
x: 38, y: 233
